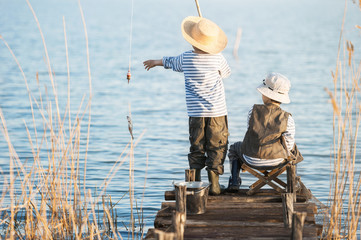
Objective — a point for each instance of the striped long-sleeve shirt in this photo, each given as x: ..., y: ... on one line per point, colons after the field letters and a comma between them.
x: 204, y: 88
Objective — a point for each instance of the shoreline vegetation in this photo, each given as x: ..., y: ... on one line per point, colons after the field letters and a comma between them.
x: 47, y: 196
x: 344, y: 200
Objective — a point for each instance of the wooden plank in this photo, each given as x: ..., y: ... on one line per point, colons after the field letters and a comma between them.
x: 263, y: 196
x: 231, y: 205
x: 250, y: 212
x: 309, y: 207
x: 239, y: 228
x: 150, y: 236
x: 170, y: 195
x: 196, y: 223
x: 238, y: 216
x: 245, y: 232
x: 165, y: 221
x: 167, y: 210
x: 241, y: 215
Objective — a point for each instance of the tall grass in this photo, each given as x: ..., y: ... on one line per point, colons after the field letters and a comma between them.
x: 47, y: 196
x: 345, y: 206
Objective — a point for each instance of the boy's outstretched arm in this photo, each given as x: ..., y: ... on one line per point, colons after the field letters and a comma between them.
x: 152, y: 63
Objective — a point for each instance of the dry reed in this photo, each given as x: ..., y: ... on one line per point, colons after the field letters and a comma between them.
x: 346, y: 178
x: 47, y: 197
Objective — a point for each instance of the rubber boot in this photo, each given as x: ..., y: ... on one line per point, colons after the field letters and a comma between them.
x: 215, y: 188
x: 198, y: 175
x: 234, y: 180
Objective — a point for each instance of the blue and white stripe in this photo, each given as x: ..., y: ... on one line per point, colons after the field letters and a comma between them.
x: 204, y: 88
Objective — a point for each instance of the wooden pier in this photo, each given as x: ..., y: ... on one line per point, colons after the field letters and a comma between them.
x: 239, y: 216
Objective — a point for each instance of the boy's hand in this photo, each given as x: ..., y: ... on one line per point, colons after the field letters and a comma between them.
x: 152, y: 63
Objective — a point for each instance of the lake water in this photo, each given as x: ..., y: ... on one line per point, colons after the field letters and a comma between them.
x: 297, y: 38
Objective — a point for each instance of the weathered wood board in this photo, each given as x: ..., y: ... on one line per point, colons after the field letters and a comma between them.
x: 239, y: 216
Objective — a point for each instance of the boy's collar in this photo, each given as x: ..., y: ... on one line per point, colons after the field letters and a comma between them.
x: 198, y: 51
x: 272, y: 104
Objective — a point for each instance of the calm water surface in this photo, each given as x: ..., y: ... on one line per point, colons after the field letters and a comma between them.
x: 296, y: 38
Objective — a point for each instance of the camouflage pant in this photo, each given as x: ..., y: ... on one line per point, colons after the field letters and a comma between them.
x: 208, y: 137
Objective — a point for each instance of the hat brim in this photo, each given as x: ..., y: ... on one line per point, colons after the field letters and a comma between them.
x: 213, y: 48
x: 282, y: 98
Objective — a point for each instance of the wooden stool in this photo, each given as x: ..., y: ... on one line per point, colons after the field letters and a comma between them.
x: 270, y: 177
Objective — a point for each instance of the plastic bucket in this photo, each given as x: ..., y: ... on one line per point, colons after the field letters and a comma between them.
x: 197, y: 195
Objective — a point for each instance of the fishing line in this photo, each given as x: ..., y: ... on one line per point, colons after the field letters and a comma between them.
x: 130, y: 41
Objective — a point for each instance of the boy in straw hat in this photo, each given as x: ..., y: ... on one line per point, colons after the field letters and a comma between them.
x: 204, y: 67
x: 270, y: 136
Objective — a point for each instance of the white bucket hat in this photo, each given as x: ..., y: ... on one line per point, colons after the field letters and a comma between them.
x: 204, y: 34
x: 276, y: 86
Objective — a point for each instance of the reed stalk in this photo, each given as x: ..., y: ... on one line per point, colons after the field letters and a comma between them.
x: 346, y: 178
x: 47, y: 196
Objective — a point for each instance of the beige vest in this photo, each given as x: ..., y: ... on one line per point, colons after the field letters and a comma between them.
x: 263, y: 137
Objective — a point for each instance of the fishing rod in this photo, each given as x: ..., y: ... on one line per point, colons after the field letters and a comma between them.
x: 130, y: 36
x: 198, y: 9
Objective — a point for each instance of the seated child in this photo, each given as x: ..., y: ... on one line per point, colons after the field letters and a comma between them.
x: 270, y: 136
x: 204, y: 69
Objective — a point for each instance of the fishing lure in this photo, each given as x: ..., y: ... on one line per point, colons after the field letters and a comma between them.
x: 130, y: 42
x: 129, y: 76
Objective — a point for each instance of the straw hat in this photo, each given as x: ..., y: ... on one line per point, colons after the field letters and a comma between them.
x: 276, y: 86
x: 204, y: 34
